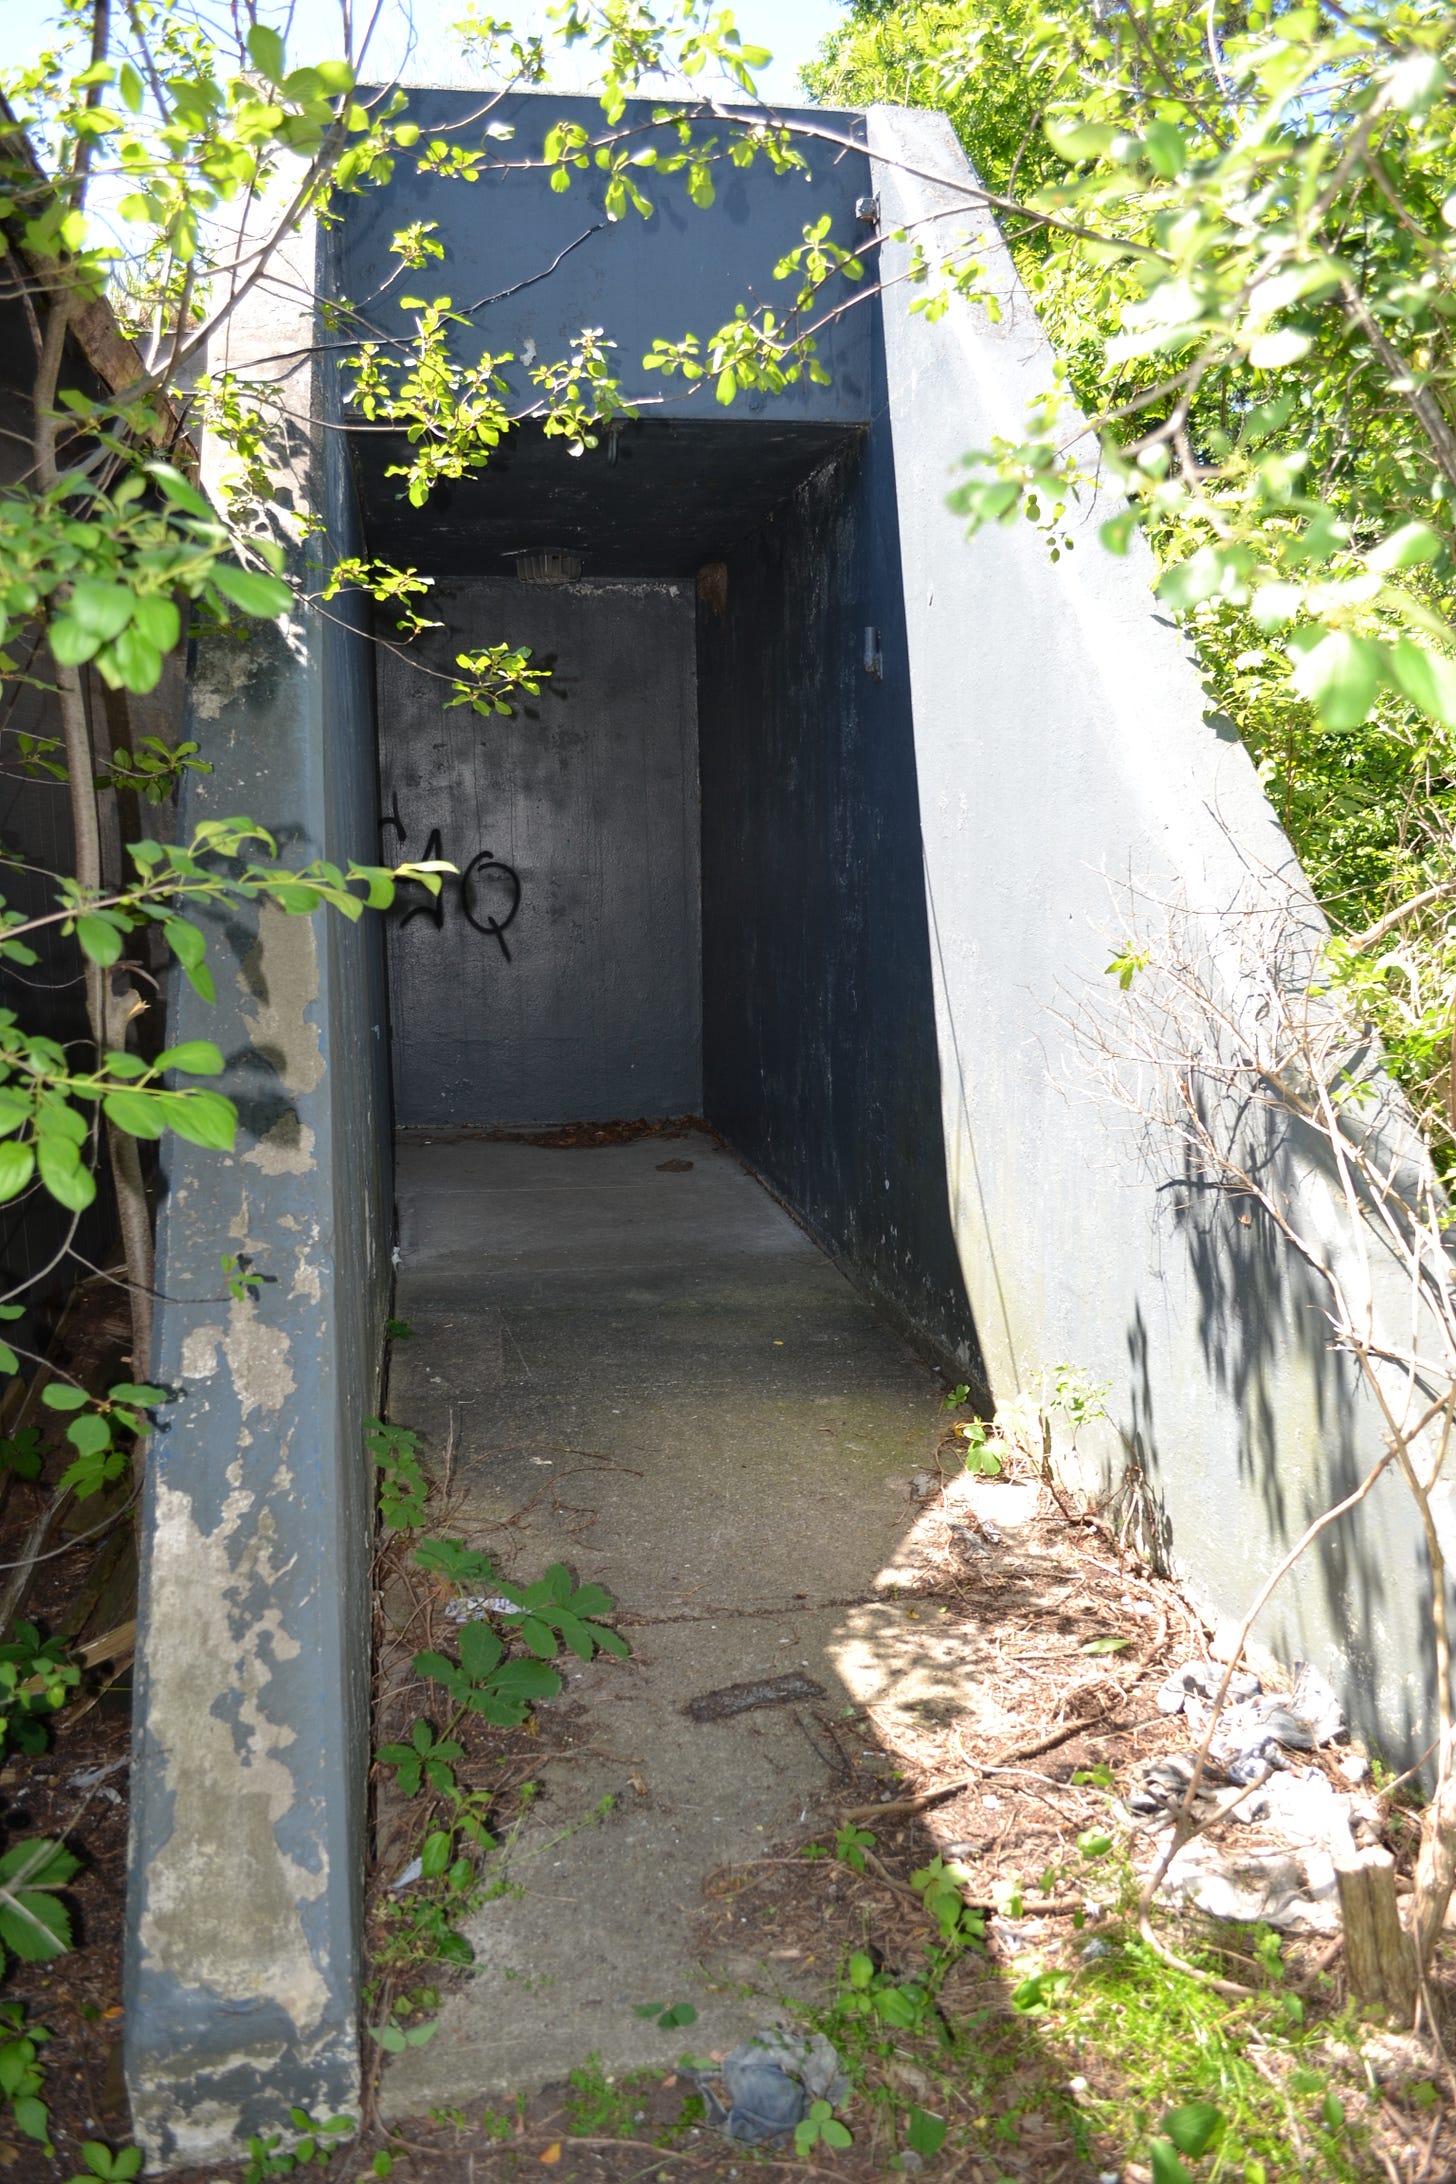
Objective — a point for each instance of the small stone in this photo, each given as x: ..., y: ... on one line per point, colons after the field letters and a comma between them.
x: 922, y: 1484
x: 1354, y: 1766
x: 911, y: 2162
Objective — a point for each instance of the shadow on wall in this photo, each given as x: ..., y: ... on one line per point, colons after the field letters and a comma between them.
x: 819, y: 1037
x: 1266, y: 1345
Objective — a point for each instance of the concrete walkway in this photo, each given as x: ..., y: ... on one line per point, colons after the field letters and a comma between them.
x: 648, y: 1371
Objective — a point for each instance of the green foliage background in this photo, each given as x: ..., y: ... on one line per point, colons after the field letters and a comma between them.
x: 1367, y: 791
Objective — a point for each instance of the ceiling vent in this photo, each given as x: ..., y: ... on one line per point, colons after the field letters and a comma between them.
x: 550, y: 568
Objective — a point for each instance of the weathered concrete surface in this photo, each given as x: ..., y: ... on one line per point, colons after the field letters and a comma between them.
x: 248, y: 1779
x: 574, y: 826
x: 658, y: 1378
x: 1067, y: 759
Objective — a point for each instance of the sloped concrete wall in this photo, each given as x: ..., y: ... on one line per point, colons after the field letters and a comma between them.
x: 1065, y: 754
x: 248, y: 1780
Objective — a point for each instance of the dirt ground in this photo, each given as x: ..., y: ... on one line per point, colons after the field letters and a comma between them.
x: 1042, y: 2097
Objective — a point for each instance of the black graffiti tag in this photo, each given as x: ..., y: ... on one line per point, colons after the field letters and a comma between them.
x: 485, y: 881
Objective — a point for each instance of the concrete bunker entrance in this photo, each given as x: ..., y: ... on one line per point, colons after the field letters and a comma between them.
x: 689, y: 870
x: 689, y: 885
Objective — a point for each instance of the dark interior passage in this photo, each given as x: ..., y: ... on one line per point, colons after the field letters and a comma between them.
x: 691, y: 877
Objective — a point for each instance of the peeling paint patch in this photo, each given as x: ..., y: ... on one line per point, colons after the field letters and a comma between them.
x: 258, y: 1360
x: 222, y: 674
x: 228, y: 1784
x: 286, y: 1149
x: 279, y: 982
x: 199, y: 1353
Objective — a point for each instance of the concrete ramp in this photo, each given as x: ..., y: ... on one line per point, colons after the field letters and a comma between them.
x: 647, y: 1370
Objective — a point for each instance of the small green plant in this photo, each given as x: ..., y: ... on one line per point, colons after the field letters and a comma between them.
x: 669, y: 2015
x: 315, y: 2143
x: 397, y: 1330
x: 980, y: 1456
x: 21, y: 1453
x: 941, y: 1888
x: 112, y: 2168
x: 484, y: 1681
x: 957, y: 1396
x: 36, y: 1680
x: 903, y: 2005
x: 22, y: 2074
x: 242, y: 1282
x: 1126, y: 965
x: 821, y: 2127
x: 154, y: 771
x: 850, y: 1845
x: 426, y: 1758
x: 403, y: 1488
x: 34, y: 1924
x: 92, y: 1431
x: 395, y: 2038
x: 601, y: 2107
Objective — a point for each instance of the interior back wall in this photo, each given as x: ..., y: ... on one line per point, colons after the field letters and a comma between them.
x: 557, y: 979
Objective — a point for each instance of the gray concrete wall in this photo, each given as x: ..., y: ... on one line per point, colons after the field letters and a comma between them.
x: 1066, y: 754
x: 818, y: 999
x: 557, y: 980
x: 248, y: 1779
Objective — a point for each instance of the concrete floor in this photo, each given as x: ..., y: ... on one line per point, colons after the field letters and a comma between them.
x: 653, y: 1375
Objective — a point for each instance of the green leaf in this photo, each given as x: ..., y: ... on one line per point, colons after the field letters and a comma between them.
x: 1271, y: 352
x: 1193, y: 2128
x: 17, y: 1163
x: 1428, y: 679
x: 102, y: 610
x: 1107, y: 1645
x: 138, y: 1113
x: 140, y: 1392
x: 265, y: 51
x: 89, y: 1434
x: 56, y: 1395
x: 265, y: 596
x: 480, y: 1650
x: 925, y: 2134
x: 1411, y: 544
x: 179, y: 492
x: 33, y: 2118
x: 203, y: 1118
x: 159, y: 622
x: 1167, y: 2168
x: 529, y: 1680
x: 99, y: 939
x: 63, y: 1174
x: 134, y: 661
x: 1075, y: 141
x: 197, y: 1057
x: 34, y: 1927
x: 1339, y: 672
x: 1167, y: 154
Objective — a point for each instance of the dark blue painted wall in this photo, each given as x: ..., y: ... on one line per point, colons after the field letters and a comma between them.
x: 820, y: 1058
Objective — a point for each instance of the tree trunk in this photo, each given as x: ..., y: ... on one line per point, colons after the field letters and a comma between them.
x: 1380, y: 1957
